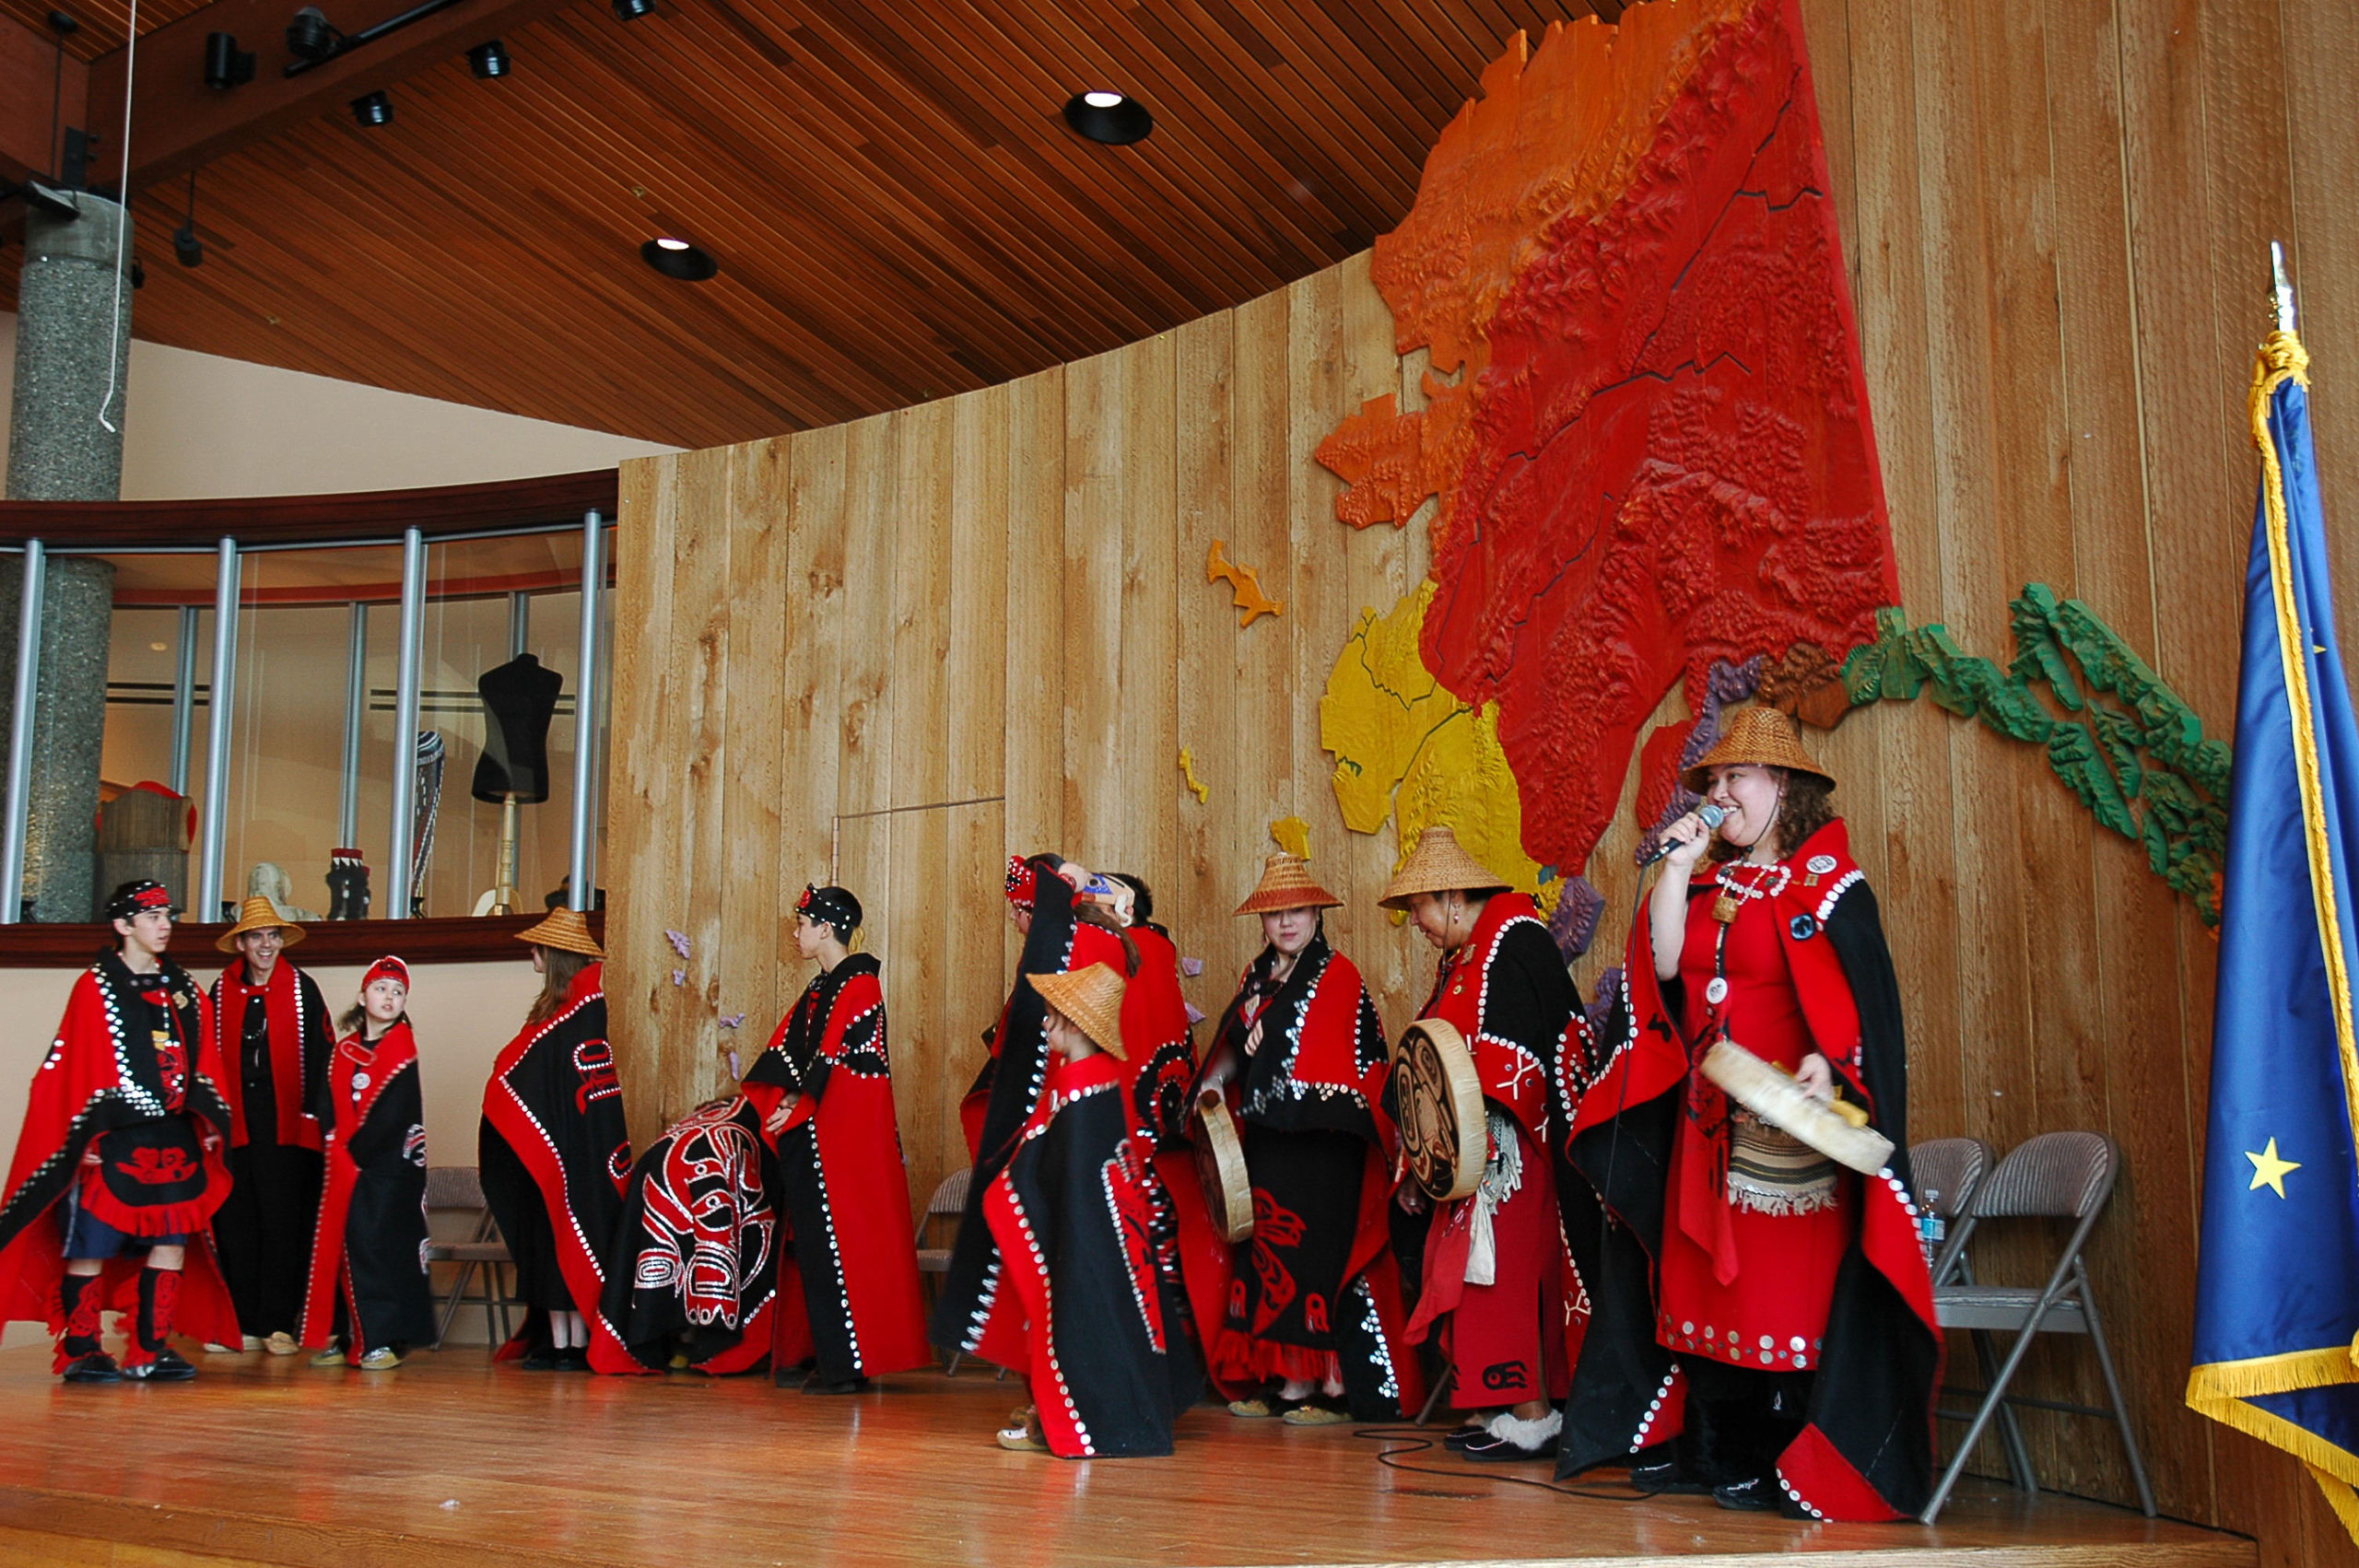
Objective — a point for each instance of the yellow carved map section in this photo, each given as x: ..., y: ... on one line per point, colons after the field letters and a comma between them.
x: 1405, y: 748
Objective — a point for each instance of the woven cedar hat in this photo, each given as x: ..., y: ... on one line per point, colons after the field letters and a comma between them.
x: 1286, y: 885
x: 566, y: 930
x: 1761, y: 735
x: 1091, y: 998
x: 1438, y: 864
x: 259, y: 914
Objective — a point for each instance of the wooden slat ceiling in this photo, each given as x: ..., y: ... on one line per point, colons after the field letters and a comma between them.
x: 900, y: 210
x: 104, y: 27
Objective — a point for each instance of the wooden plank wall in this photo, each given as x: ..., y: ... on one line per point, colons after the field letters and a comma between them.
x: 2057, y: 221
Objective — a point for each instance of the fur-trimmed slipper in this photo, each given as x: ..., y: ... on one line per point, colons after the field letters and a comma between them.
x: 1512, y: 1440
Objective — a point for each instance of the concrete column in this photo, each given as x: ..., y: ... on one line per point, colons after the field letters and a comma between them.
x: 72, y: 336
x: 66, y: 319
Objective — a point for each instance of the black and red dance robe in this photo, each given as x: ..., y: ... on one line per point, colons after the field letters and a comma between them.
x: 1009, y: 1089
x: 1314, y: 1294
x: 852, y: 1301
x: 1082, y: 1312
x: 792, y: 1244
x: 274, y: 1041
x: 554, y: 1158
x: 1866, y: 1450
x: 368, y: 1278
x: 696, y: 1260
x: 1190, y: 1257
x: 125, y: 1118
x: 1508, y: 993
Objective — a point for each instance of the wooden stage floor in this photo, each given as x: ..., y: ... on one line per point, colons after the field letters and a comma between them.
x: 450, y: 1459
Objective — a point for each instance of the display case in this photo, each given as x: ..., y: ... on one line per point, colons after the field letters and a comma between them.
x: 371, y: 708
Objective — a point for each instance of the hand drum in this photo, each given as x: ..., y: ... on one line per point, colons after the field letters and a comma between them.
x: 1442, y: 1132
x: 1220, y: 1163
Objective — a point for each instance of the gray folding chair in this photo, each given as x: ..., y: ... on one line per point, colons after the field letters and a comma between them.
x: 1949, y: 1172
x: 459, y: 1188
x: 950, y: 1201
x: 2065, y: 1176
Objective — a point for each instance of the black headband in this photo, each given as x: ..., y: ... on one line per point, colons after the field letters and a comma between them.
x: 829, y: 906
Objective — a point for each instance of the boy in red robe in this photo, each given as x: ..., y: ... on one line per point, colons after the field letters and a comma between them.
x: 118, y: 1169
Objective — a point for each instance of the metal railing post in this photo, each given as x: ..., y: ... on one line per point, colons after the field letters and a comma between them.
x: 20, y: 734
x: 581, y: 875
x: 183, y: 699
x: 220, y: 708
x: 397, y: 872
x: 356, y: 714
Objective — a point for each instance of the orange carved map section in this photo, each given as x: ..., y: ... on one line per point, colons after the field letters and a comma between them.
x: 1647, y: 426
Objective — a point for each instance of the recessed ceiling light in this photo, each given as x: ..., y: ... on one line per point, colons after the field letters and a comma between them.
x: 1105, y: 115
x: 373, y: 110
x: 489, y: 60
x: 678, y: 258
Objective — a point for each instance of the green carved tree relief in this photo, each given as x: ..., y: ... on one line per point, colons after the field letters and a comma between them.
x: 2117, y: 736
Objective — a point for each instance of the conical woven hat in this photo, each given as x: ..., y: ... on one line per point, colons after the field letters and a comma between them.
x: 1091, y: 998
x: 1761, y: 735
x: 566, y: 930
x: 1439, y: 864
x: 259, y: 914
x: 1286, y: 885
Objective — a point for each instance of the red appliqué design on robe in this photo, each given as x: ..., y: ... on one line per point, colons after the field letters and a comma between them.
x: 1124, y: 1177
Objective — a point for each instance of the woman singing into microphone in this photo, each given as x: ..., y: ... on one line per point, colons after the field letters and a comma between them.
x: 1791, y: 1324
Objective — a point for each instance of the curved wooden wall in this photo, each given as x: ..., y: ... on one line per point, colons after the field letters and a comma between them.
x: 2057, y: 222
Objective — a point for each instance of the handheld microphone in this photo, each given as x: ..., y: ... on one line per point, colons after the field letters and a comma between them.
x: 1710, y: 815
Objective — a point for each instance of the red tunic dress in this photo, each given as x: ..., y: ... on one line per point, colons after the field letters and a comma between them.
x: 1740, y: 1283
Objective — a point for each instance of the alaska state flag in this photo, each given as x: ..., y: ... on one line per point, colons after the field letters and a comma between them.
x: 2277, y: 1278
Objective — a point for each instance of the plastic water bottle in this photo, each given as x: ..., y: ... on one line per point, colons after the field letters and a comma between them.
x: 1931, y: 1229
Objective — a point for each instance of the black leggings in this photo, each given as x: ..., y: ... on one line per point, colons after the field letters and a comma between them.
x: 1739, y: 1420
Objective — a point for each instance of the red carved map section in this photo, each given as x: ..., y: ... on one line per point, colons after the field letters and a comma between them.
x: 1658, y: 454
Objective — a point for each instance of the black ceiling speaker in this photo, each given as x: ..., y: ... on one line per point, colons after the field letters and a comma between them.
x: 225, y: 64
x: 1113, y: 118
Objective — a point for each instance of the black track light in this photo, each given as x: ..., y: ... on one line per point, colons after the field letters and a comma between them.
x: 373, y: 110
x: 309, y: 36
x: 1113, y: 118
x: 225, y: 64
x: 489, y: 60
x: 631, y: 11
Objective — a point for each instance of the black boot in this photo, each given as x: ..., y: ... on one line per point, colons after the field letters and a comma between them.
x: 157, y: 1362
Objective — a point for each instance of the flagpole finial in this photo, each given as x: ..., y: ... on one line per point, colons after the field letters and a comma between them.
x: 2280, y: 288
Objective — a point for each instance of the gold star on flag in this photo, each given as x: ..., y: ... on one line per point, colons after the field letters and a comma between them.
x: 2270, y: 1171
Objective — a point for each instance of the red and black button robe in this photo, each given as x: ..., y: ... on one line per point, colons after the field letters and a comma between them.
x: 127, y: 1119
x: 1508, y: 993
x: 1867, y: 1449
x: 1010, y: 1086
x: 275, y: 1045
x: 1314, y: 1294
x: 1190, y: 1257
x: 554, y: 1157
x: 852, y: 1301
x: 1082, y: 1311
x: 369, y: 1264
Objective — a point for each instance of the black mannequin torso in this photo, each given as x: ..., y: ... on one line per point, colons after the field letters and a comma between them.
x: 518, y: 700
